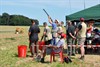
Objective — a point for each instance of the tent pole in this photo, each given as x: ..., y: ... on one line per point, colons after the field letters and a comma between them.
x: 70, y: 5
x: 84, y: 4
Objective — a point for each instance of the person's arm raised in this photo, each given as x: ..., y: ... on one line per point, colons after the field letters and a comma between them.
x: 49, y: 19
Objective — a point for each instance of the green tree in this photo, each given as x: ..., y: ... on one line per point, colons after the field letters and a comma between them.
x: 5, y: 17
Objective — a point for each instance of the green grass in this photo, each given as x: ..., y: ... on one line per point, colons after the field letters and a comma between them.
x: 9, y: 52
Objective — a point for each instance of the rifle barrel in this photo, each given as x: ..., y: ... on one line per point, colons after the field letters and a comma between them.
x: 45, y: 12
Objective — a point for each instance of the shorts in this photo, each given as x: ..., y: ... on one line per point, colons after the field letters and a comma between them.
x: 81, y: 41
x: 48, y: 42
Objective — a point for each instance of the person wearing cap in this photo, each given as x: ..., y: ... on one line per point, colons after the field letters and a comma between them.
x: 81, y: 34
x: 57, y: 44
x: 71, y: 39
x: 60, y: 32
x: 54, y: 26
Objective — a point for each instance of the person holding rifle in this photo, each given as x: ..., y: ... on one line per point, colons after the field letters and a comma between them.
x: 54, y: 26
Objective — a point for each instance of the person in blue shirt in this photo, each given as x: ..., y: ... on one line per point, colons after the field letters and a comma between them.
x: 54, y: 26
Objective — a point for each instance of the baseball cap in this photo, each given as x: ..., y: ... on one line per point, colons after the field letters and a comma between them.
x: 82, y: 19
x: 63, y: 35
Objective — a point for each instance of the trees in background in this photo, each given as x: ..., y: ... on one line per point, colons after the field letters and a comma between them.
x: 6, y: 19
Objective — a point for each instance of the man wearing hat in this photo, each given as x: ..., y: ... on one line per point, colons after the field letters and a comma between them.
x: 81, y: 34
x: 54, y: 26
x: 57, y: 45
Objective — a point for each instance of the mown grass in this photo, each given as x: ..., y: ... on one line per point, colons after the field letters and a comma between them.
x: 9, y: 42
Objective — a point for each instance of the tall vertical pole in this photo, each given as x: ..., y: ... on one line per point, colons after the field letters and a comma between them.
x: 0, y: 6
x: 99, y: 2
x: 70, y: 5
x: 84, y: 4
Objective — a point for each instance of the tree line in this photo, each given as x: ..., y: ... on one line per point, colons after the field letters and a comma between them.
x: 6, y: 19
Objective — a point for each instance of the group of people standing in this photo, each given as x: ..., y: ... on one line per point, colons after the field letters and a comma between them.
x: 55, y: 38
x: 84, y: 33
x: 74, y: 34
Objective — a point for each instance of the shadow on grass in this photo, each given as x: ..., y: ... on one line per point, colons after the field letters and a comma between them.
x: 72, y: 57
x: 10, y: 38
x: 16, y: 55
x: 46, y: 62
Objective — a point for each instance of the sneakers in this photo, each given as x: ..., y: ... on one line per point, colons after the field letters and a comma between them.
x: 81, y: 58
x: 73, y: 54
x: 67, y: 60
x: 42, y: 60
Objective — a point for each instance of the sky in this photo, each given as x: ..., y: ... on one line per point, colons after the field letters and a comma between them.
x: 57, y: 9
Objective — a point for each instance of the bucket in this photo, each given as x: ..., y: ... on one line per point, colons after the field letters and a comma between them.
x: 22, y: 50
x: 41, y: 43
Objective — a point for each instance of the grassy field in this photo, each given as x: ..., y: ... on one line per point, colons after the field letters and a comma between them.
x: 9, y: 54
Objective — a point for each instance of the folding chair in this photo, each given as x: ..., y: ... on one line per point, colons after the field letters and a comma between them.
x: 52, y: 55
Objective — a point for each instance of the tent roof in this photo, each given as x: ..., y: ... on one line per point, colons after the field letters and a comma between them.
x: 89, y: 13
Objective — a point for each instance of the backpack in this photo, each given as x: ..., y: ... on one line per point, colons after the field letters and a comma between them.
x: 67, y: 60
